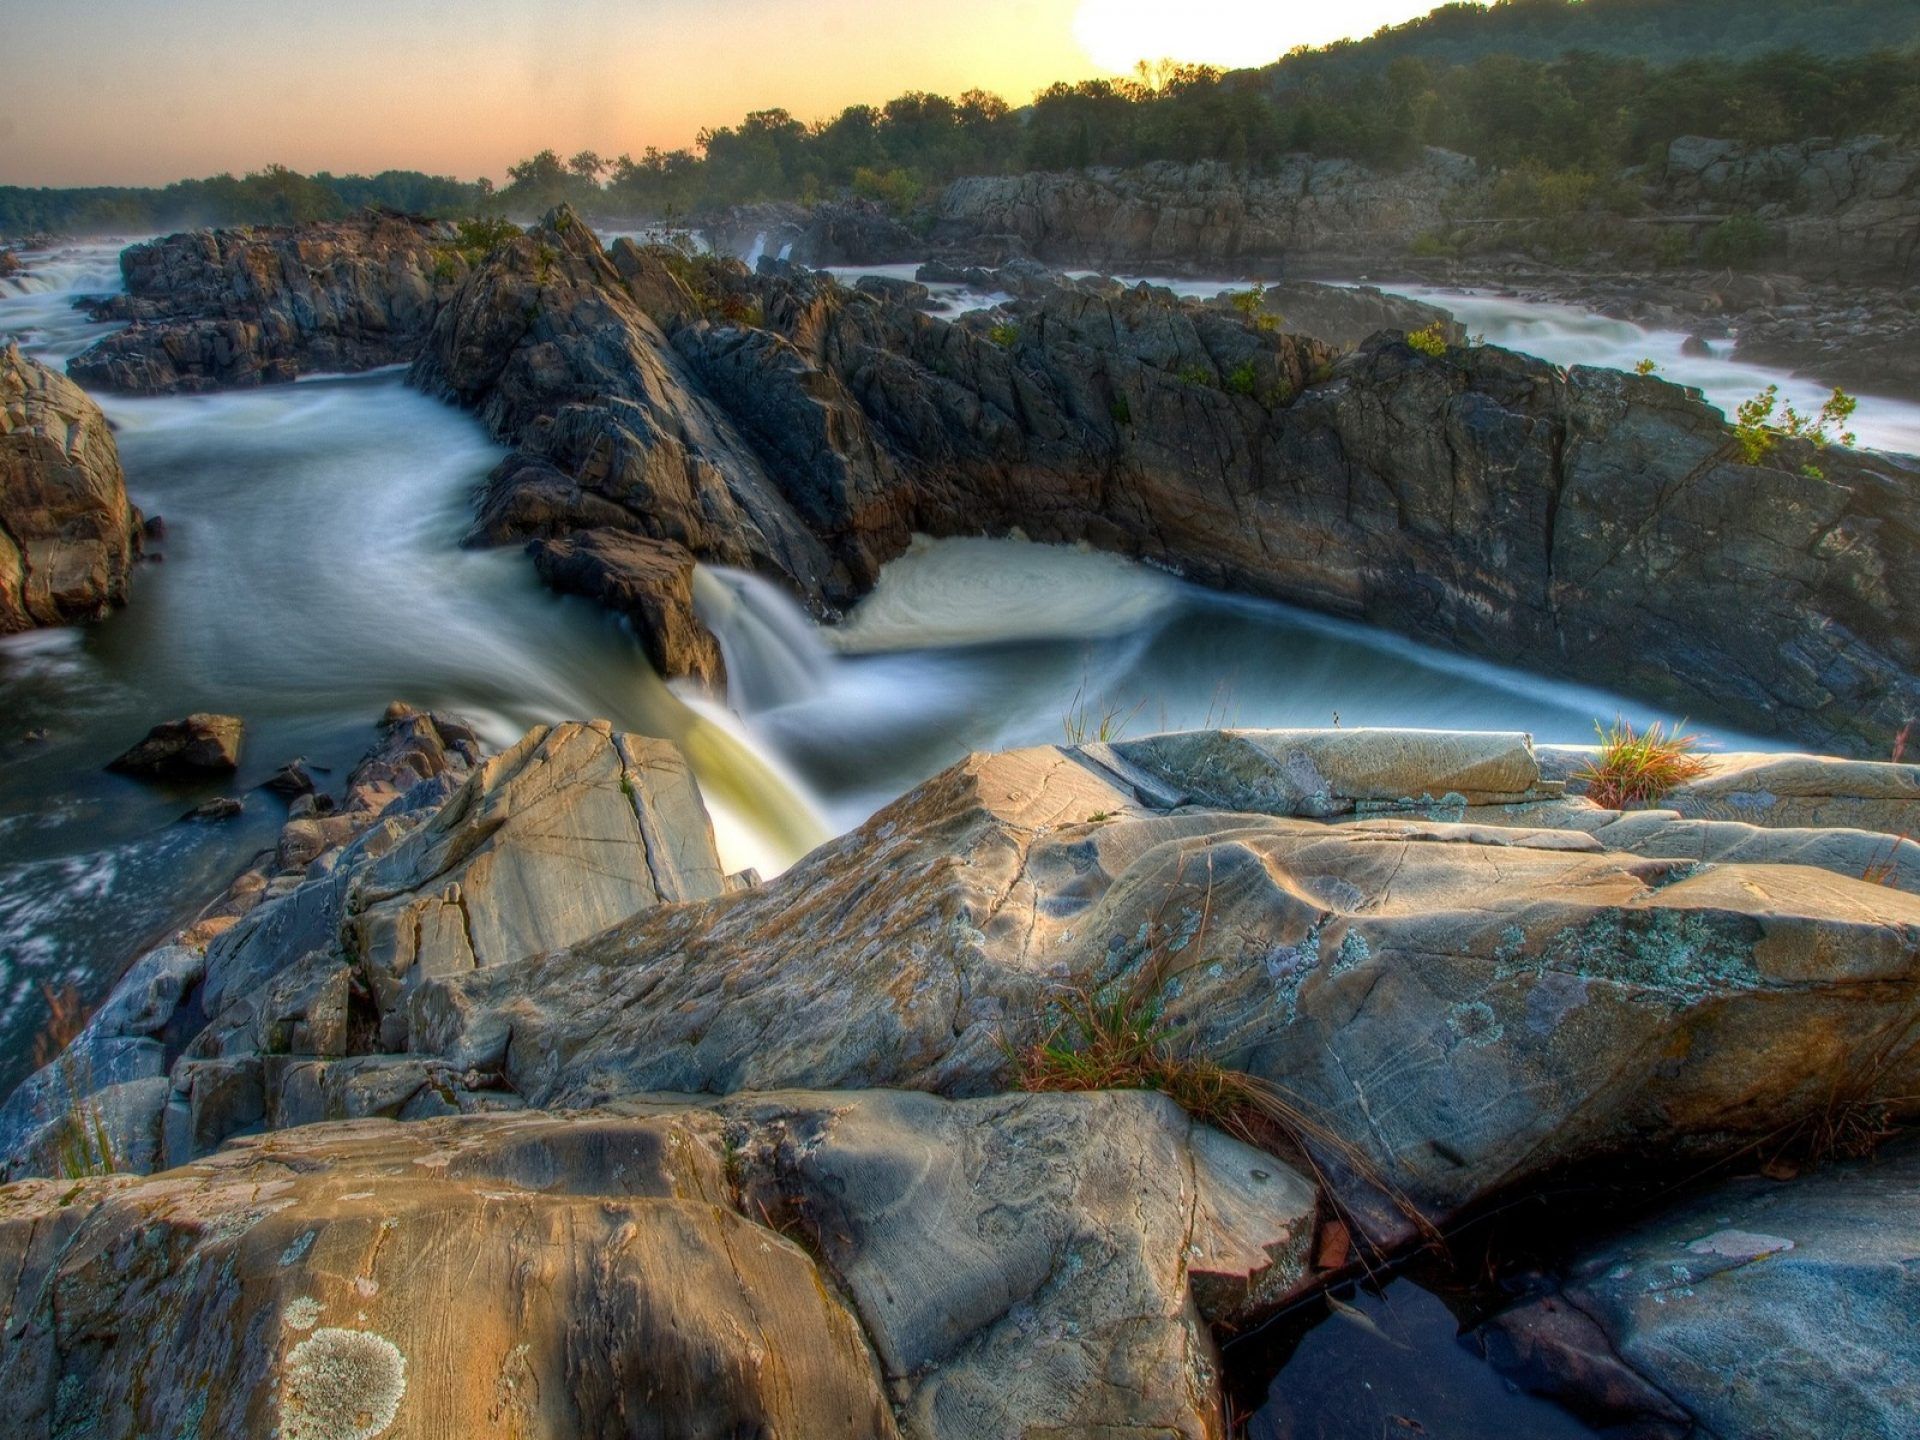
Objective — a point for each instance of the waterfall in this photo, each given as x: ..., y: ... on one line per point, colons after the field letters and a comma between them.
x: 775, y: 656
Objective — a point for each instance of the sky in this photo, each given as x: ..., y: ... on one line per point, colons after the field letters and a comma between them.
x: 131, y: 92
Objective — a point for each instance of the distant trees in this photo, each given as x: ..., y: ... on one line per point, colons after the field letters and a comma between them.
x: 1557, y: 95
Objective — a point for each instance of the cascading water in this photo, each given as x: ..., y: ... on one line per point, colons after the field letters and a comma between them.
x: 312, y: 573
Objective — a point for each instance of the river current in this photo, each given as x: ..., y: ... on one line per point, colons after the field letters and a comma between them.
x: 312, y: 571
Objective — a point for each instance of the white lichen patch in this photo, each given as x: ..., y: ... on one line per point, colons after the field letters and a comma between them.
x: 341, y: 1385
x: 302, y: 1313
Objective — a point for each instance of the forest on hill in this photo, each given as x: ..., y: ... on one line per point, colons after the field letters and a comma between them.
x: 1567, y: 88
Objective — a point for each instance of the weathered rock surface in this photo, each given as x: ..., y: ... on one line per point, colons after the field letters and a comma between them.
x: 648, y: 581
x: 1469, y: 1007
x: 1759, y: 1309
x: 1815, y: 791
x: 1345, y: 315
x: 200, y: 744
x: 227, y: 308
x: 67, y: 533
x: 1035, y: 1264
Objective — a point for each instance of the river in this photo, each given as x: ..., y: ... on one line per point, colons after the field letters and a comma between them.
x: 312, y: 571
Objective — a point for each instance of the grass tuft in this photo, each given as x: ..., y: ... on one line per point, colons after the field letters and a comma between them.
x: 1638, y: 767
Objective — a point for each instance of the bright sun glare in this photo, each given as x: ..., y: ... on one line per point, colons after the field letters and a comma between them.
x: 1117, y: 34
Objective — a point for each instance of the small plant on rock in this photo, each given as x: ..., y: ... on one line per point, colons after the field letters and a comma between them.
x: 1252, y: 305
x: 1242, y: 378
x: 1759, y: 425
x: 1639, y: 767
x: 1194, y: 375
x: 1006, y: 334
x: 1431, y: 341
x: 1645, y: 367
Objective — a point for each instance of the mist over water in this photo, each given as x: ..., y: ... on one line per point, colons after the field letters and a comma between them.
x: 312, y: 572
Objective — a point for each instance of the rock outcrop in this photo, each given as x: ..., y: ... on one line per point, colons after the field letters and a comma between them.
x: 1586, y: 523
x: 1208, y: 217
x: 831, y: 232
x: 222, y: 309
x: 1458, y: 984
x: 648, y: 581
x: 68, y: 535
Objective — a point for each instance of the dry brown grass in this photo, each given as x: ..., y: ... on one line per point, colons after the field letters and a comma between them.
x: 1638, y: 767
x: 66, y: 1018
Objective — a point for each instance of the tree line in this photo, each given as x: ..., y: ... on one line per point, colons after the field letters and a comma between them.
x: 1462, y: 78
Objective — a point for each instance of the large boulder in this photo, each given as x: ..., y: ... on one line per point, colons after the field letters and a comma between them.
x: 67, y: 533
x: 219, y: 309
x: 802, y: 1264
x: 1468, y: 1006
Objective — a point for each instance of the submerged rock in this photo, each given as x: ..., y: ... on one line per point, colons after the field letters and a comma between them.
x: 201, y: 744
x: 68, y: 535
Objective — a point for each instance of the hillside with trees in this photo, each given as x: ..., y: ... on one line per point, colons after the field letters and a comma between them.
x: 1575, y: 88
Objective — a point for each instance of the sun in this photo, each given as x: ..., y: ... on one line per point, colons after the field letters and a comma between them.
x: 1233, y: 34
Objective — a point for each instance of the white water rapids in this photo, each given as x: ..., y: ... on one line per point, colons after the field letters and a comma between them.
x: 312, y: 572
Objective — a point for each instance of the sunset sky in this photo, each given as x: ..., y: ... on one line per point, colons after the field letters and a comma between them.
x: 137, y: 92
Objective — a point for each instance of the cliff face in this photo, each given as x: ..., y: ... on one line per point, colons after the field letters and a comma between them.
x: 218, y: 309
x: 1836, y: 209
x: 67, y: 534
x: 1169, y: 215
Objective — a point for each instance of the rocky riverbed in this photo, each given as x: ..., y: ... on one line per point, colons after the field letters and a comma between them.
x: 494, y: 1030
x: 1467, y: 983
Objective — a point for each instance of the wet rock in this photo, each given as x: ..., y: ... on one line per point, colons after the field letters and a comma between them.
x: 648, y: 581
x: 290, y: 780
x: 221, y: 807
x: 216, y: 309
x: 1758, y: 1308
x: 1696, y: 347
x: 68, y: 535
x: 200, y: 744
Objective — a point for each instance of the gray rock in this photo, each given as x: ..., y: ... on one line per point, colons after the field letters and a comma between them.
x: 1762, y: 1309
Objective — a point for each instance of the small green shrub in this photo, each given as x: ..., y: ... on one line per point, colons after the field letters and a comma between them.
x: 1645, y: 367
x: 897, y: 189
x: 1242, y: 378
x: 1736, y: 243
x: 1194, y: 375
x: 1672, y: 247
x: 1006, y: 334
x: 1757, y: 428
x: 1252, y: 305
x: 1430, y: 341
x: 1435, y: 245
